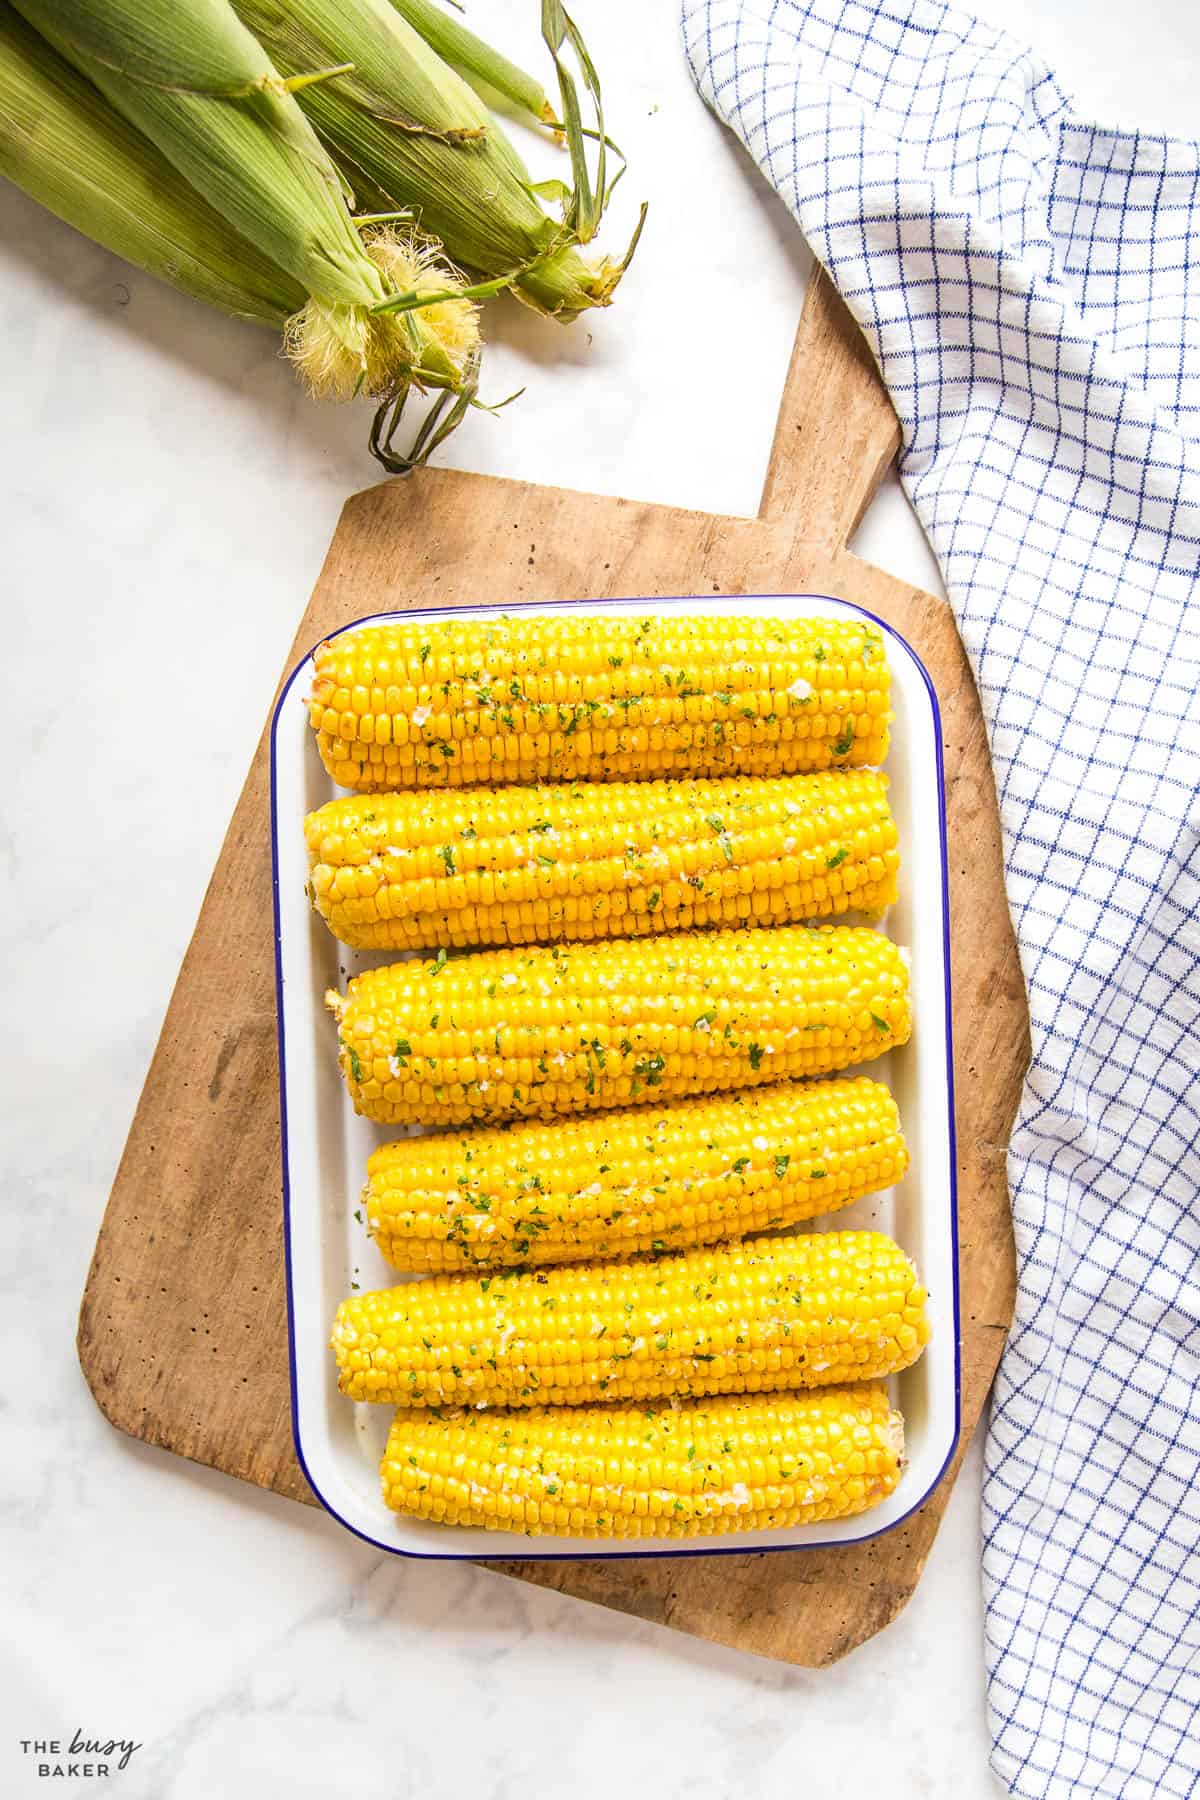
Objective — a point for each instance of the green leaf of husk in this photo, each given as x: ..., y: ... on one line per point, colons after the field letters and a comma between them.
x: 554, y: 190
x: 476, y: 60
x: 558, y: 29
x: 443, y: 417
x: 413, y: 301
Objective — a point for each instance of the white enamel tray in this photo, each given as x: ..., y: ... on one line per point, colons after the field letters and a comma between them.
x: 325, y: 1146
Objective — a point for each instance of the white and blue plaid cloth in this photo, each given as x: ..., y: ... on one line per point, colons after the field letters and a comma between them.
x: 1030, y: 286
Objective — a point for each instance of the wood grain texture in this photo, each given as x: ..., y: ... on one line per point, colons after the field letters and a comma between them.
x: 182, y: 1333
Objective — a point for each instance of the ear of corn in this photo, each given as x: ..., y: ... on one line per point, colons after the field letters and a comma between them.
x: 190, y: 76
x: 64, y: 146
x: 626, y: 1183
x: 455, y: 702
x: 702, y: 1468
x: 486, y: 69
x: 770, y: 1313
x: 541, y: 864
x: 510, y: 1033
x: 411, y: 134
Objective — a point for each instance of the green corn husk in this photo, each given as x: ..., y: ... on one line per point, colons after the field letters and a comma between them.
x: 64, y: 146
x: 485, y: 69
x: 190, y: 76
x: 411, y: 135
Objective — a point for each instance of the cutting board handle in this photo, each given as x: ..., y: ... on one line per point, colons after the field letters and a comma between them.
x: 837, y: 431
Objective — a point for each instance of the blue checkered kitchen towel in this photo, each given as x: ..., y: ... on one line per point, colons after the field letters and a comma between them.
x: 1030, y: 286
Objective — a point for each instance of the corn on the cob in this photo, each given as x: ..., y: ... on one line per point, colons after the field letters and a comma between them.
x: 601, y: 697
x: 538, y: 1032
x: 65, y: 147
x: 773, y: 1312
x: 624, y: 1183
x: 415, y: 871
x: 702, y: 1469
x: 190, y: 76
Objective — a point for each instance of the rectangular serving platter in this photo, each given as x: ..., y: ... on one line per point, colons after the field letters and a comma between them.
x: 326, y: 1146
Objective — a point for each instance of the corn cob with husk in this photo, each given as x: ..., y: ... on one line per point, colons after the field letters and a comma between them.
x: 193, y: 80
x: 774, y: 1312
x: 64, y: 146
x: 410, y: 134
x: 629, y: 1183
x: 415, y: 871
x: 536, y: 1033
x: 698, y: 1469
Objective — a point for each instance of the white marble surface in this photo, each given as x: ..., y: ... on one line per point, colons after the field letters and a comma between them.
x: 168, y: 496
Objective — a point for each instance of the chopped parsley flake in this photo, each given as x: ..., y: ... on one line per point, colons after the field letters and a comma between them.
x: 650, y: 1069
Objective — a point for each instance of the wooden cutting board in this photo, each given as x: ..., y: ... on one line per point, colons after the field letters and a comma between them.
x: 182, y: 1332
